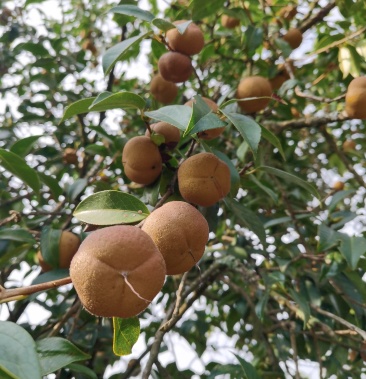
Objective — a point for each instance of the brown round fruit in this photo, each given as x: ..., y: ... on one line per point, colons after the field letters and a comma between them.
x: 211, y: 133
x: 171, y: 133
x: 68, y: 246
x: 254, y: 86
x: 141, y: 160
x: 189, y: 43
x: 163, y: 91
x: 203, y: 179
x: 348, y: 145
x: 117, y: 271
x: 293, y: 37
x: 180, y: 232
x: 229, y: 22
x: 175, y: 67
x: 69, y: 156
x: 338, y: 186
x: 356, y: 98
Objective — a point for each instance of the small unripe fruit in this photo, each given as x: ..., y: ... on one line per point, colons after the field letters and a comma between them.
x: 203, y: 179
x: 189, y: 43
x: 68, y: 246
x: 211, y: 133
x: 141, y: 160
x: 293, y: 37
x: 356, y: 98
x: 180, y: 232
x: 229, y: 22
x: 163, y: 91
x: 175, y: 67
x: 254, y: 86
x: 171, y: 133
x: 338, y: 186
x: 117, y: 271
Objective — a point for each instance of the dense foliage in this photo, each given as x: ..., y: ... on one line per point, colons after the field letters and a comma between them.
x: 281, y: 284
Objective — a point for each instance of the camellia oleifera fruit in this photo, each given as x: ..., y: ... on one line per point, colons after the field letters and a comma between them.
x: 141, y: 160
x: 117, y: 271
x: 211, y: 133
x: 180, y: 232
x: 203, y: 179
x: 229, y: 22
x: 163, y: 91
x: 293, y: 37
x: 189, y: 43
x: 356, y: 98
x: 175, y: 67
x: 254, y: 86
x: 68, y: 246
x: 171, y: 133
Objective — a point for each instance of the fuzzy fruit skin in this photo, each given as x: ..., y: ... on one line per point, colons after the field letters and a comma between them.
x: 180, y: 232
x: 189, y: 43
x: 253, y: 86
x: 175, y: 67
x: 211, y: 133
x: 229, y: 22
x: 163, y: 91
x: 356, y: 98
x: 105, y: 258
x: 203, y: 179
x: 170, y: 133
x: 68, y: 246
x: 141, y: 160
x: 293, y: 37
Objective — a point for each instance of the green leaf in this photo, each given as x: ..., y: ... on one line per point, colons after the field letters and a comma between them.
x: 162, y: 24
x: 18, y: 167
x: 77, y: 188
x: 6, y: 374
x: 95, y: 149
x: 24, y: 146
x: 290, y: 178
x: 202, y: 9
x: 37, y: 49
x: 247, y: 127
x: 302, y: 302
x: 254, y: 37
x: 248, y: 370
x: 78, y: 107
x: 16, y: 234
x: 115, y: 53
x: 85, y: 371
x: 52, y: 184
x: 110, y: 208
x: 125, y: 334
x: 271, y: 138
x: 50, y: 242
x: 18, y: 355
x: 177, y: 115
x: 260, y: 307
x: 327, y: 238
x: 264, y: 188
x: 337, y: 197
x: 248, y: 218
x: 122, y: 100
x: 56, y: 352
x: 133, y: 10
x: 352, y: 248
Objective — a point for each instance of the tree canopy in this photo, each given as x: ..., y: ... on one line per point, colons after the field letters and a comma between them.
x: 281, y: 284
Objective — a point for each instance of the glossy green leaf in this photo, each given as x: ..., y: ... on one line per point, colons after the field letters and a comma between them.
x: 78, y: 107
x: 50, y: 242
x: 264, y: 188
x: 248, y: 369
x: 162, y: 24
x: 352, y: 248
x: 52, y: 184
x: 24, y: 146
x: 328, y: 238
x: 290, y: 178
x: 248, y: 218
x: 115, y: 53
x: 18, y: 167
x: 77, y: 188
x: 337, y: 197
x: 302, y: 303
x: 272, y: 139
x: 202, y: 9
x: 95, y: 149
x: 16, y: 234
x: 18, y: 355
x: 86, y: 372
x: 133, y: 10
x: 177, y: 115
x: 119, y: 100
x: 125, y: 334
x: 110, y: 208
x: 55, y: 353
x: 247, y: 127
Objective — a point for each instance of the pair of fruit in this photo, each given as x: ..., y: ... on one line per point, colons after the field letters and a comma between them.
x: 118, y: 270
x: 176, y: 66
